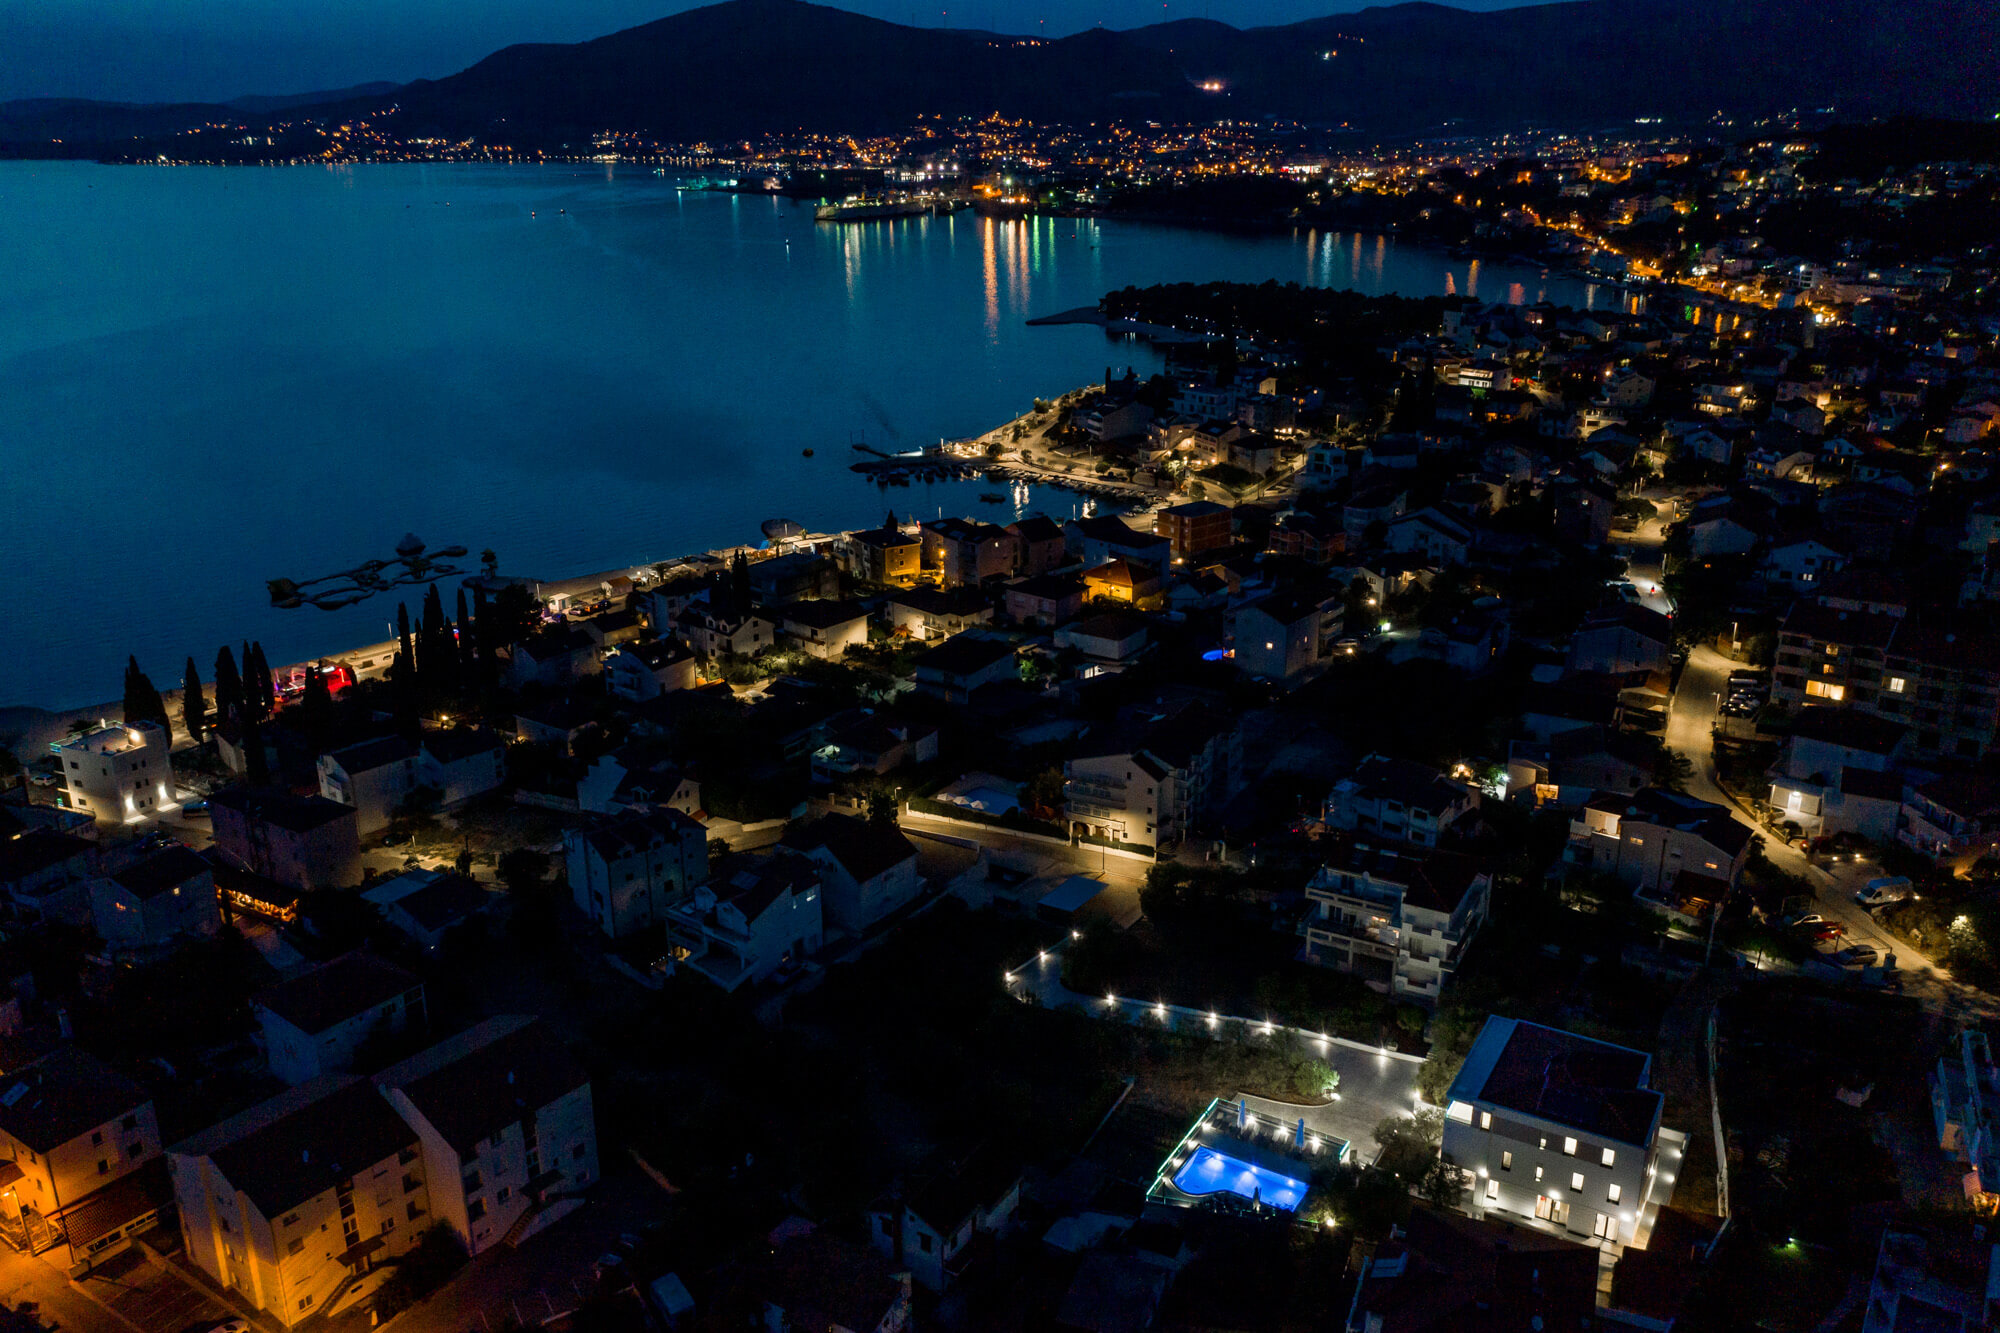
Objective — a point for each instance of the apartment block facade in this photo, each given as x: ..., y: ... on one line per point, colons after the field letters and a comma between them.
x: 1398, y: 919
x: 1842, y: 653
x: 1555, y: 1126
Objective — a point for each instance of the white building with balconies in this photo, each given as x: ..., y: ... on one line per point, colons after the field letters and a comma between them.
x: 1965, y: 1095
x: 119, y: 773
x: 1398, y: 920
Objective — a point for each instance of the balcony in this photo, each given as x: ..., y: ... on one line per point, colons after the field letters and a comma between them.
x: 1374, y: 941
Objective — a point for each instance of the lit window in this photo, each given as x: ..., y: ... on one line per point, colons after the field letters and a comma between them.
x: 1486, y: 1120
x: 1569, y: 1147
x: 1506, y: 1161
x: 1826, y: 669
x: 1819, y: 689
x: 1614, y: 1193
x: 1538, y: 1174
x: 1896, y: 684
x: 1576, y: 1180
x: 1833, y: 650
x: 1492, y: 1190
x: 1610, y: 1158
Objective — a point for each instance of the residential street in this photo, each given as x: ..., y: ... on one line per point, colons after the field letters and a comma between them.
x: 1690, y: 725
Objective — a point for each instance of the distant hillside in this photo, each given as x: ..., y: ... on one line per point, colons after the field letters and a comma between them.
x: 259, y: 104
x: 747, y: 66
x: 750, y: 65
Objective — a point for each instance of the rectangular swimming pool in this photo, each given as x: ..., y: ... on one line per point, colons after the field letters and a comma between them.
x: 1212, y: 1172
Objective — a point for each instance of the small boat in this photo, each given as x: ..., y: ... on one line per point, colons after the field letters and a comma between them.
x: 808, y: 453
x: 992, y: 498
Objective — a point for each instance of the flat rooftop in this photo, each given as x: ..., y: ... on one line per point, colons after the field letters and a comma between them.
x: 113, y: 738
x: 1580, y: 1082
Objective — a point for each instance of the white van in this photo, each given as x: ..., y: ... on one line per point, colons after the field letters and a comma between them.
x: 1881, y: 892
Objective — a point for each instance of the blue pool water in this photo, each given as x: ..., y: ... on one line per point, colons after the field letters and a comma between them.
x: 1211, y: 1172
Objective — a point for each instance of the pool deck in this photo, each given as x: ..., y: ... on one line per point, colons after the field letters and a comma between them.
x: 1350, y: 1119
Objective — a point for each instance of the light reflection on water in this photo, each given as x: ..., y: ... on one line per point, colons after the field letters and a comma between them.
x: 278, y: 372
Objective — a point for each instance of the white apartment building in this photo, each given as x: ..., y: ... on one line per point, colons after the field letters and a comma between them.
x: 1965, y: 1098
x: 1398, y: 920
x: 314, y: 1023
x: 289, y: 1202
x: 504, y: 1116
x: 624, y: 872
x: 119, y: 773
x: 1399, y: 799
x: 373, y: 776
x: 1558, y: 1127
x: 76, y: 1137
x: 756, y: 914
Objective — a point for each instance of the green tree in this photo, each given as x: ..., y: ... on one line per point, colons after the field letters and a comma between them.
x: 316, y: 711
x: 228, y: 688
x: 1673, y: 770
x: 194, y: 704
x: 258, y: 687
x: 882, y: 808
x: 428, y: 1266
x: 142, y: 700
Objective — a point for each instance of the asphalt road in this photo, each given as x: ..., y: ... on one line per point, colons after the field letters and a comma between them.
x: 1689, y: 731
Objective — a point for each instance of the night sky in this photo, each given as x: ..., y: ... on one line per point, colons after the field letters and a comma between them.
x: 210, y: 50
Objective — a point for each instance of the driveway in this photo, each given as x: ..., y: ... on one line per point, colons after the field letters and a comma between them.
x: 153, y: 1296
x: 548, y: 1273
x: 1373, y: 1088
x: 29, y: 1283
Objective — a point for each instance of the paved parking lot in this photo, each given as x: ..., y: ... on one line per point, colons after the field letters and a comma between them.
x: 154, y: 1296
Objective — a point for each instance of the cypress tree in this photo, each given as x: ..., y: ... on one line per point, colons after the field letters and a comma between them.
x: 482, y: 641
x: 194, y: 704
x: 228, y: 688
x: 256, y: 765
x: 142, y: 700
x: 434, y: 647
x: 250, y: 694
x: 257, y: 682
x: 316, y: 710
x: 468, y: 661
x: 404, y: 649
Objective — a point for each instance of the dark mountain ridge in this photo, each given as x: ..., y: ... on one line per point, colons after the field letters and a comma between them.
x: 749, y: 66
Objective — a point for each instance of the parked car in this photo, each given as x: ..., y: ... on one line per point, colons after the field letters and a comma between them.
x: 1796, y: 919
x: 45, y: 779
x: 1858, y: 955
x: 1827, y: 930
x: 1882, y: 891
x: 196, y: 809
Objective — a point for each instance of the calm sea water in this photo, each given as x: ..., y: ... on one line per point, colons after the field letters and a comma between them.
x: 214, y: 376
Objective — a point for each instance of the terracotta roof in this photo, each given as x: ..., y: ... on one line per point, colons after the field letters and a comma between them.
x: 335, y: 992
x: 36, y: 851
x: 282, y: 809
x: 161, y: 873
x: 370, y: 755
x: 448, y: 747
x: 475, y: 1084
x: 863, y: 847
x: 303, y: 1142
x: 1469, y: 1275
x: 65, y: 1093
